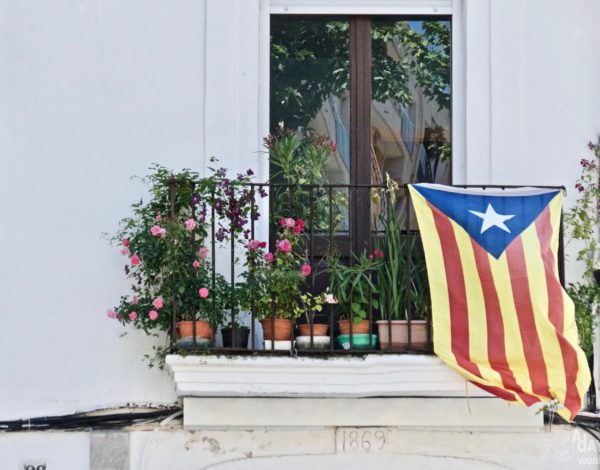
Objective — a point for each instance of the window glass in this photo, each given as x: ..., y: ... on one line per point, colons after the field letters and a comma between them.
x: 406, y: 86
x: 410, y: 89
x: 410, y: 112
x: 310, y: 82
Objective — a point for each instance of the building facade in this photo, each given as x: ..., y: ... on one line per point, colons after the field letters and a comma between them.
x: 93, y: 92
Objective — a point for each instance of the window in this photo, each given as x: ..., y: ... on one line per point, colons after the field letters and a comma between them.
x: 378, y: 86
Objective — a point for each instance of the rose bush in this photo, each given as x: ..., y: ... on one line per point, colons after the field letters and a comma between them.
x: 165, y: 241
x: 273, y: 281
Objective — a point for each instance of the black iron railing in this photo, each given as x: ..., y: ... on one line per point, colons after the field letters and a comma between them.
x: 343, y: 226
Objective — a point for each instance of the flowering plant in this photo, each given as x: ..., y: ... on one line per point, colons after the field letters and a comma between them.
x: 164, y: 241
x: 272, y: 281
x: 583, y: 219
x: 582, y: 222
x: 167, y: 260
x: 233, y: 202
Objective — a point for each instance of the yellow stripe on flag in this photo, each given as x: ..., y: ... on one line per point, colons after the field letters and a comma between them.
x: 536, y: 276
x: 478, y: 339
x: 437, y: 278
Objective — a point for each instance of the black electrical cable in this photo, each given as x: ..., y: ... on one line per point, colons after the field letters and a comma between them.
x: 88, y: 420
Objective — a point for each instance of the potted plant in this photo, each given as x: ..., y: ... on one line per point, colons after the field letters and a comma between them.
x: 352, y: 285
x: 201, y: 311
x: 272, y: 281
x: 235, y: 335
x: 313, y: 334
x: 308, y: 306
x: 168, y: 261
x: 401, y: 282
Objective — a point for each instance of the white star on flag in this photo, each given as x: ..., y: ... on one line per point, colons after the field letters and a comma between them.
x: 492, y: 219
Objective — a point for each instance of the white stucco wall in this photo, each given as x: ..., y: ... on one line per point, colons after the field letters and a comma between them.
x: 92, y: 92
x: 299, y: 448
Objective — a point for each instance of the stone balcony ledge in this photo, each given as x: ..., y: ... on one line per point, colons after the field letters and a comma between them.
x: 368, y: 376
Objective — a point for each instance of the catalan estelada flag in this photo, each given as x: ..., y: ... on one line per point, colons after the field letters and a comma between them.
x: 500, y: 315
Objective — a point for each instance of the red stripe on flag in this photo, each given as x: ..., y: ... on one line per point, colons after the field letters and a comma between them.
x: 457, y: 296
x: 499, y: 392
x: 529, y: 335
x: 495, y: 326
x: 543, y: 226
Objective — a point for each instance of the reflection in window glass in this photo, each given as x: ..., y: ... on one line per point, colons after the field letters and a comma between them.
x: 410, y: 113
x: 309, y: 83
x: 410, y: 127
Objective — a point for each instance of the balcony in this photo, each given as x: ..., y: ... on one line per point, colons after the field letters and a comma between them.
x: 327, y: 226
x: 366, y: 232
x: 220, y: 264
x: 254, y: 244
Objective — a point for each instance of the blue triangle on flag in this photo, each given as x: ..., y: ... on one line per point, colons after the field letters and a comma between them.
x: 492, y: 221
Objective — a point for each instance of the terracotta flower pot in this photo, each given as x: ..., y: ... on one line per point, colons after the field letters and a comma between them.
x: 283, y: 329
x: 203, y: 329
x: 399, y: 334
x: 319, y: 329
x: 357, y: 328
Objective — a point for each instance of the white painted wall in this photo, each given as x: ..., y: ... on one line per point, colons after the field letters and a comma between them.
x: 64, y: 450
x: 532, y: 68
x: 299, y: 448
x: 92, y: 92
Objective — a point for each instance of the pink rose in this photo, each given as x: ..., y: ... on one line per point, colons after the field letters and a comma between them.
x: 203, y: 292
x: 330, y: 299
x: 203, y: 252
x: 305, y: 269
x: 158, y: 303
x: 196, y: 264
x: 124, y: 251
x: 269, y: 257
x: 111, y: 314
x: 289, y: 222
x: 190, y: 225
x: 133, y: 316
x: 135, y: 260
x: 158, y: 218
x: 157, y: 230
x: 153, y: 314
x: 284, y: 246
x: 125, y: 242
x: 253, y: 245
x: 134, y: 299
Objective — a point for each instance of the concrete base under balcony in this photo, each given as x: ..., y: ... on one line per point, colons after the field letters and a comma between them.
x: 375, y: 390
